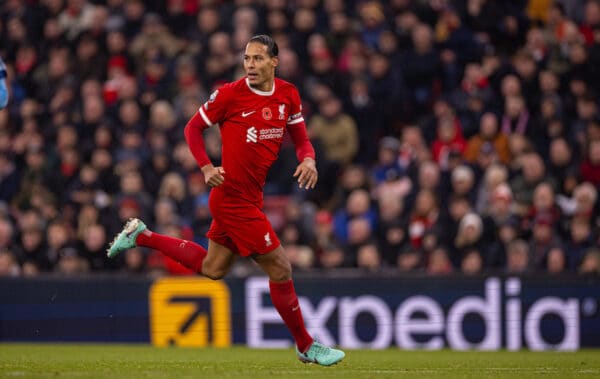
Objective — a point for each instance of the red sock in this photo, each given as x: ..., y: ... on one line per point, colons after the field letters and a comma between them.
x: 188, y: 253
x: 283, y: 296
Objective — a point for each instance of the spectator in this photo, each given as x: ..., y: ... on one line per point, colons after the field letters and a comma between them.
x: 368, y: 257
x: 93, y: 249
x: 556, y: 261
x: 449, y: 139
x: 472, y: 263
x: 469, y: 236
x: 591, y: 262
x: 332, y: 256
x: 488, y: 133
x: 517, y: 257
x: 335, y: 130
x: 543, y: 239
x: 410, y: 259
x: 580, y: 240
x: 438, y: 262
x: 524, y: 184
x: 8, y: 264
x: 590, y: 167
x: 423, y: 218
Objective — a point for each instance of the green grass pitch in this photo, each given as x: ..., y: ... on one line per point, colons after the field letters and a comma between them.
x: 142, y: 361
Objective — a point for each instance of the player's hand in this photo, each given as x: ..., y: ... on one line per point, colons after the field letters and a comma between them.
x: 213, y: 176
x: 307, y: 175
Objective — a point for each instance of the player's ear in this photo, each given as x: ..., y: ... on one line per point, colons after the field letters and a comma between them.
x: 275, y: 61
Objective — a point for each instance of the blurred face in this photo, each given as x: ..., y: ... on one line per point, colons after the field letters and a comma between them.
x: 429, y: 175
x: 542, y: 232
x: 259, y: 66
x: 332, y: 257
x: 514, y: 106
x: 585, y: 199
x: 425, y: 202
x: 368, y: 257
x: 556, y: 260
x: 359, y: 230
x: 446, y: 130
x: 390, y: 206
x: 331, y: 107
x: 517, y: 260
x: 472, y: 233
x: 31, y: 239
x: 57, y: 235
x: 472, y: 263
x: 439, y: 262
x: 595, y: 152
x: 560, y: 153
x: 511, y: 86
x: 548, y: 81
x: 489, y: 125
x: 462, y: 185
x: 459, y: 208
x: 533, y: 169
x: 358, y: 202
x: 580, y: 230
x: 507, y: 233
x: 543, y: 197
x: 95, y: 238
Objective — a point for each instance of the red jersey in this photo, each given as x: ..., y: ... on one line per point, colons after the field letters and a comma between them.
x: 252, y: 125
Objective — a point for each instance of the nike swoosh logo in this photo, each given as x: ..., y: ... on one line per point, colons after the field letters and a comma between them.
x: 246, y: 114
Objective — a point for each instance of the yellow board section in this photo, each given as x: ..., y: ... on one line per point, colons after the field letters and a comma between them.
x: 190, y: 312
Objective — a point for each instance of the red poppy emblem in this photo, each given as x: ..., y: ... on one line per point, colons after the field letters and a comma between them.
x: 266, y: 113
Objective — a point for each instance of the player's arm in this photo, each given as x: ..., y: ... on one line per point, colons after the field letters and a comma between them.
x: 306, y: 172
x: 3, y: 87
x: 213, y: 176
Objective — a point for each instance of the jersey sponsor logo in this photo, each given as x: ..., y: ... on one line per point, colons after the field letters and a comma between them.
x: 270, y: 133
x: 266, y: 113
x: 251, y: 134
x: 191, y: 312
x: 282, y: 112
x: 246, y: 114
x: 268, y: 241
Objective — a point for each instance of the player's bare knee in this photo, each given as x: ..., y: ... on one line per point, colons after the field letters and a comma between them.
x: 213, y: 271
x: 282, y: 272
x: 214, y: 274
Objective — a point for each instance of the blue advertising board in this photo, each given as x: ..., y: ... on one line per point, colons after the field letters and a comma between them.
x: 480, y: 313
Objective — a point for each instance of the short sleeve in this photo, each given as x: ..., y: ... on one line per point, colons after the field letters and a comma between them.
x: 213, y: 110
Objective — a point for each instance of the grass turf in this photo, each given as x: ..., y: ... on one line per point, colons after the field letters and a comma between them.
x: 141, y: 361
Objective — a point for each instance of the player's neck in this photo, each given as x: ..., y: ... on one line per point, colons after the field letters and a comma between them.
x: 264, y: 89
x: 267, y: 86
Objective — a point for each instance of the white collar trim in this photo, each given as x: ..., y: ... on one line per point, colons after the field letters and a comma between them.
x: 259, y: 92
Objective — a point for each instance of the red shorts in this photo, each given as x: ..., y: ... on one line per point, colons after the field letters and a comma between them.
x: 240, y: 226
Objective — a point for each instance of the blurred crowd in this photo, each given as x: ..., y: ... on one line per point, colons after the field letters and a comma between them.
x: 452, y: 136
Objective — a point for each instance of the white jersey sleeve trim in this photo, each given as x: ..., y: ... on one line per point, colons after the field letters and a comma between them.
x: 296, y: 121
x: 205, y: 117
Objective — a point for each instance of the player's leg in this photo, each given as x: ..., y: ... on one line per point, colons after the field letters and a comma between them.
x: 284, y: 298
x: 218, y: 260
x: 214, y: 263
x: 283, y: 294
x: 135, y: 233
